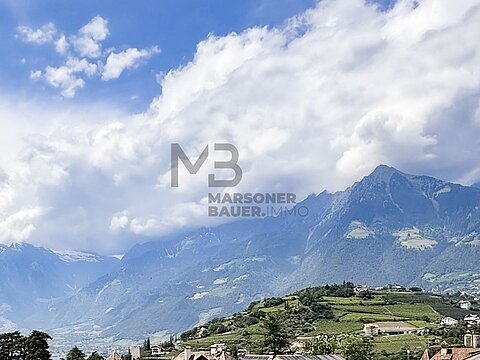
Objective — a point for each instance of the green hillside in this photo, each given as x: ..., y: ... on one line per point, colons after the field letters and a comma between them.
x: 336, y: 310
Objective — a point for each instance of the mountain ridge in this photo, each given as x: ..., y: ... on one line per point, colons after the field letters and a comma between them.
x: 34, y: 277
x: 389, y: 227
x: 390, y: 219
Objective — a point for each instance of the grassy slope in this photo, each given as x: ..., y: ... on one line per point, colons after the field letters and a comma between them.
x: 421, y: 310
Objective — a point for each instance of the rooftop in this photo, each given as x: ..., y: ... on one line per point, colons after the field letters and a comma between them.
x: 294, y: 357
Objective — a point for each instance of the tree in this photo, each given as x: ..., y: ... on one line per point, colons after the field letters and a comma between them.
x: 15, y: 346
x: 146, y: 345
x: 75, y: 354
x: 416, y: 289
x: 365, y: 294
x: 36, y: 346
x: 322, y: 346
x: 275, y: 338
x: 234, y: 351
x: 11, y: 346
x: 95, y: 356
x: 355, y: 348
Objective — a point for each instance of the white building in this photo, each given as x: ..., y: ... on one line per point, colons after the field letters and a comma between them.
x: 464, y: 304
x: 156, y: 349
x: 391, y: 328
x: 449, y: 321
x: 136, y: 351
x: 371, y: 329
x: 472, y: 319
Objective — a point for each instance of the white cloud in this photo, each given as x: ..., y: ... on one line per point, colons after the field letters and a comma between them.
x: 46, y: 34
x: 129, y: 59
x: 313, y: 105
x: 19, y: 226
x: 35, y: 74
x: 119, y: 222
x: 97, y: 29
x: 62, y: 45
x: 88, y: 41
x: 43, y: 35
x: 87, y: 47
x: 65, y: 77
x: 86, y: 44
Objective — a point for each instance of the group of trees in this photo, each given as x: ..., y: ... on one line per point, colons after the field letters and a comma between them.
x: 454, y: 335
x: 276, y: 340
x: 346, y: 289
x: 15, y: 346
x: 349, y: 346
x: 299, y: 314
x: 77, y: 354
x: 222, y: 325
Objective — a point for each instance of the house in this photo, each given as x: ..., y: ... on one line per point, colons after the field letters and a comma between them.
x: 449, y: 321
x: 464, y: 304
x: 473, y: 357
x: 156, y: 349
x: 472, y: 320
x: 396, y: 287
x: 361, y: 288
x: 448, y: 353
x: 294, y: 357
x: 471, y: 351
x: 371, y: 329
x: 136, y: 351
x: 425, y: 355
x: 471, y: 341
x: 390, y: 328
x: 216, y: 352
x: 114, y: 356
x: 202, y: 332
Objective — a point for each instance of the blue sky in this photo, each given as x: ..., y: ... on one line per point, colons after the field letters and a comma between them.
x: 176, y: 26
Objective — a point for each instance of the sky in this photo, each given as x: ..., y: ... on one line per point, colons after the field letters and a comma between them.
x: 313, y: 94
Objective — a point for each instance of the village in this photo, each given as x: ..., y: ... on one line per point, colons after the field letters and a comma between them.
x: 203, y: 344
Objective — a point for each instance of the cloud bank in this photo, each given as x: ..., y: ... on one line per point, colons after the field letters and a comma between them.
x: 314, y: 104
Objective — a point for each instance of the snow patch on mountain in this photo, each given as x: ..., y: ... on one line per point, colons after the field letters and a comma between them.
x: 72, y: 255
x: 198, y: 296
x: 412, y: 239
x: 220, y: 281
x: 357, y: 230
x: 241, y: 278
x: 444, y: 190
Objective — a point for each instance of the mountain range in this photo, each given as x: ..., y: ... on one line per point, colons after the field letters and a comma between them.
x: 33, y: 278
x: 390, y: 227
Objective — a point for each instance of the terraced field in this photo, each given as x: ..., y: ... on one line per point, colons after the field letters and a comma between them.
x: 349, y: 314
